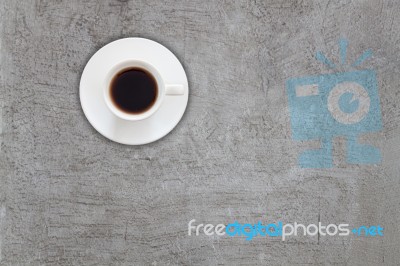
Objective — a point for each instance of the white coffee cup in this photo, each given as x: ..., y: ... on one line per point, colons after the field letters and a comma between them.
x: 163, y: 89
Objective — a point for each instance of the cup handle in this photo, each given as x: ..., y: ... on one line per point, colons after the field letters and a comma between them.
x: 174, y: 89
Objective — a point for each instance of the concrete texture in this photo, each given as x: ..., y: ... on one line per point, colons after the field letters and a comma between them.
x: 68, y: 196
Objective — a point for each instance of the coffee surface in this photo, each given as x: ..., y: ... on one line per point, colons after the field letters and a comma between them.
x: 133, y: 90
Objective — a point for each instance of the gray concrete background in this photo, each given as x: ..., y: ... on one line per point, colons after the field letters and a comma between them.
x: 68, y: 196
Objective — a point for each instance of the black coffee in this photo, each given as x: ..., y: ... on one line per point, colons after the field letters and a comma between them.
x: 133, y: 90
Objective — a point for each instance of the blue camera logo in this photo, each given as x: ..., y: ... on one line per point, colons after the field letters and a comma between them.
x: 339, y: 104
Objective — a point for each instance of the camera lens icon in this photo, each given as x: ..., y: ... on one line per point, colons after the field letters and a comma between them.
x: 325, y: 106
x: 348, y: 103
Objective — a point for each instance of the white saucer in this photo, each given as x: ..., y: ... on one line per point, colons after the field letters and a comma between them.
x: 132, y: 132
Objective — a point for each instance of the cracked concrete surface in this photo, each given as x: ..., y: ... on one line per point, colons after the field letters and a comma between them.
x: 68, y: 196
